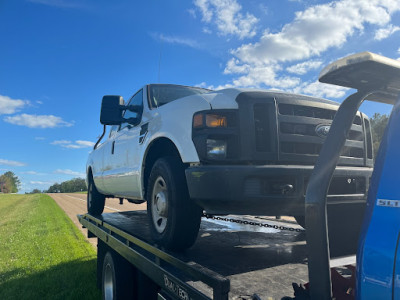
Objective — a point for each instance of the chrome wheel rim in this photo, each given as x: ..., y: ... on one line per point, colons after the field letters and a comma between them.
x: 108, y: 283
x: 159, y: 204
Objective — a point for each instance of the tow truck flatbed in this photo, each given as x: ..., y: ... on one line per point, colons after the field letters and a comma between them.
x: 253, y: 259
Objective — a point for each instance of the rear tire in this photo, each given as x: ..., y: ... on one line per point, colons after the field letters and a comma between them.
x: 117, y: 277
x: 95, y: 200
x: 174, y: 218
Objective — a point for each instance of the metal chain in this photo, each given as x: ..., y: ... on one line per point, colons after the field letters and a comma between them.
x: 280, y: 227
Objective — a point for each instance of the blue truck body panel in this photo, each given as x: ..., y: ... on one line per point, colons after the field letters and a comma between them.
x: 378, y: 267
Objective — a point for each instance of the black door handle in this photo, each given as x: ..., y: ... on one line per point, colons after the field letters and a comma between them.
x: 112, y: 147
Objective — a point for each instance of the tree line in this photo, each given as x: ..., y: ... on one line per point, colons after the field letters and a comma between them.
x: 378, y: 125
x: 70, y: 186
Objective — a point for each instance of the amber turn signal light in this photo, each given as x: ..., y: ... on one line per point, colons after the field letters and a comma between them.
x: 216, y: 121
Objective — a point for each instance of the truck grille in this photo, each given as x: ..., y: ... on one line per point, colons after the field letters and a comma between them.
x: 262, y: 128
x: 280, y: 128
x: 311, y: 112
x: 298, y: 132
x: 300, y: 137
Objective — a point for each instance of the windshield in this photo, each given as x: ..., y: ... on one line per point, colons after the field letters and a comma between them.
x: 161, y: 94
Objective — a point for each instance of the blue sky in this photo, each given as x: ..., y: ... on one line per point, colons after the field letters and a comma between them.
x: 58, y: 58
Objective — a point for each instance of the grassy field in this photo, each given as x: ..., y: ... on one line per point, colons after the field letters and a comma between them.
x: 42, y: 253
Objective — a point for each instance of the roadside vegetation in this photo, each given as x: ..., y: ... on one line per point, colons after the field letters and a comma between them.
x: 9, y: 183
x: 42, y: 254
x: 378, y: 124
x: 70, y: 186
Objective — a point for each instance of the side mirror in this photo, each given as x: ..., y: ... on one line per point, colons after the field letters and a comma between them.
x: 111, y: 110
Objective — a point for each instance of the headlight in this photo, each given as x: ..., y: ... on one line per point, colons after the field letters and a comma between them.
x: 209, y: 120
x: 216, y: 149
x: 215, y: 135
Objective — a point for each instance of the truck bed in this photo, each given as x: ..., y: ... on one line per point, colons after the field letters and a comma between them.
x: 256, y: 260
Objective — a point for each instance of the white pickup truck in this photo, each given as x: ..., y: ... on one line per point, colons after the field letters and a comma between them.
x: 188, y: 150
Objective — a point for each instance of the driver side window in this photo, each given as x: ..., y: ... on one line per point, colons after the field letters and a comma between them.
x: 136, y: 100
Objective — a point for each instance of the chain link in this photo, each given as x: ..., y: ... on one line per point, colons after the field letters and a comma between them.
x: 280, y: 227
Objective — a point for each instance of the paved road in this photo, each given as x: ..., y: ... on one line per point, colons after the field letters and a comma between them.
x: 74, y: 204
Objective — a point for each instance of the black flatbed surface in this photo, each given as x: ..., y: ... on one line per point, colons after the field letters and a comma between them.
x: 257, y: 260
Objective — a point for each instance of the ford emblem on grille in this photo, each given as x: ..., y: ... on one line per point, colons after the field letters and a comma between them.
x: 322, y: 130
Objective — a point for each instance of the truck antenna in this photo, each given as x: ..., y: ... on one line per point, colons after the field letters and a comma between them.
x: 159, y: 62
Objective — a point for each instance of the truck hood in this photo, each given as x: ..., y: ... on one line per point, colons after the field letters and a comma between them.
x: 226, y: 98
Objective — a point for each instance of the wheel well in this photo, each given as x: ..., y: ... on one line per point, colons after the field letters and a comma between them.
x: 89, y: 174
x: 161, y: 147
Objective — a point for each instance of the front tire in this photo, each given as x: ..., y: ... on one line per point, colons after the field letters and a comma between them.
x: 174, y: 218
x: 95, y: 200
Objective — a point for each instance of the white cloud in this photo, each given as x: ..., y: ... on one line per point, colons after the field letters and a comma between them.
x: 58, y: 3
x: 317, y: 29
x: 32, y: 173
x: 304, y: 67
x: 259, y: 74
x: 177, y: 40
x: 234, y: 67
x: 79, y: 144
x: 227, y: 16
x: 85, y: 143
x: 312, y: 32
x: 37, y: 121
x: 383, y: 33
x: 265, y: 75
x: 207, y: 30
x: 321, y: 90
x: 192, y: 12
x: 203, y: 6
x: 69, y: 172
x: 42, y: 182
x: 61, y: 142
x: 11, y: 163
x: 10, y: 106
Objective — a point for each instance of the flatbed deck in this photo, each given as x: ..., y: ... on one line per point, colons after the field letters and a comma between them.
x: 256, y: 260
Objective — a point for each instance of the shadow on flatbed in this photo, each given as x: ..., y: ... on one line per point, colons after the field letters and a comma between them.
x: 265, y: 262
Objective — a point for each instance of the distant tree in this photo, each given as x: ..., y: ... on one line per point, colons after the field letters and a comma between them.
x: 5, y: 184
x: 9, y: 183
x: 55, y: 188
x: 378, y: 125
x: 35, y: 191
x: 70, y: 186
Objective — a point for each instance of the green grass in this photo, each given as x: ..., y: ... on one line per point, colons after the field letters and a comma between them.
x: 42, y: 254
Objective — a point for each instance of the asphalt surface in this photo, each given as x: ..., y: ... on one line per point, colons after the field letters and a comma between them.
x: 75, y: 204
